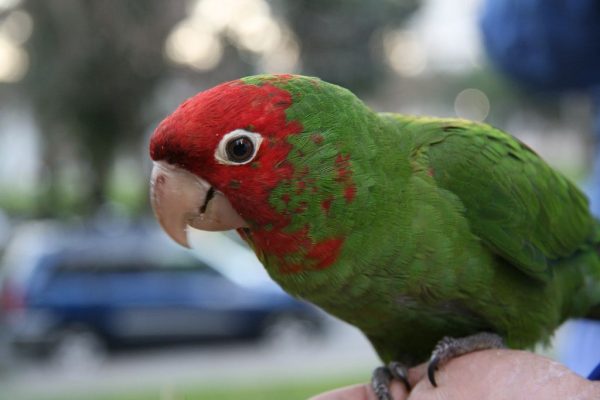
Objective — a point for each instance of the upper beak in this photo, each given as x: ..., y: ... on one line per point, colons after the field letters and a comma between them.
x: 181, y: 199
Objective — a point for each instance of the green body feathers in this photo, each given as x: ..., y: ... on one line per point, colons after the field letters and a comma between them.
x: 452, y: 227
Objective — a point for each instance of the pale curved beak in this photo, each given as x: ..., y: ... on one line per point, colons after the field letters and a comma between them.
x: 181, y: 199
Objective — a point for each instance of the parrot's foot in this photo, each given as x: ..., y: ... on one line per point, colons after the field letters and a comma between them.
x: 382, y: 376
x: 449, y: 348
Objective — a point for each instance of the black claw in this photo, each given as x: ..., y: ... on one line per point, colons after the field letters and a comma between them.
x: 431, y: 368
x: 400, y: 372
x: 405, y: 382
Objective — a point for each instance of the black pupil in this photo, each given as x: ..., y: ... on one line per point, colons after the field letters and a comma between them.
x: 240, y: 149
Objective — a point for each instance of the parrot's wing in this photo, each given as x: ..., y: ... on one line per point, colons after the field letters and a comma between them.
x: 522, y: 209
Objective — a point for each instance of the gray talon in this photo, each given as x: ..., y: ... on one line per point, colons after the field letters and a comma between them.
x: 380, y: 382
x: 449, y: 348
x: 382, y: 377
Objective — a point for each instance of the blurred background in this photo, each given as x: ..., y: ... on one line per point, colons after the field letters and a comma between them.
x: 95, y: 303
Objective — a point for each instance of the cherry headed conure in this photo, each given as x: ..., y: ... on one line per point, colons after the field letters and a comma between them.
x: 425, y: 233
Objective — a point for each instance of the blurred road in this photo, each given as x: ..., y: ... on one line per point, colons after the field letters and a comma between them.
x: 341, y: 351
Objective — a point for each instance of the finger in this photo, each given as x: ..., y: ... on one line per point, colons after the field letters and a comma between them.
x: 416, y: 374
x: 398, y: 390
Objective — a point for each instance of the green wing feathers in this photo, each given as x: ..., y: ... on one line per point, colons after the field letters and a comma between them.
x: 522, y: 209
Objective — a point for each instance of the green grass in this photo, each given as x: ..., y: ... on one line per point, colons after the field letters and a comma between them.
x: 286, y: 390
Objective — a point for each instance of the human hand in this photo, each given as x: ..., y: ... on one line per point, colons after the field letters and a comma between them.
x: 486, y: 375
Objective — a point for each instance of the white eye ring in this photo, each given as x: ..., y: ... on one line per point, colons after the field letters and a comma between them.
x: 221, y: 154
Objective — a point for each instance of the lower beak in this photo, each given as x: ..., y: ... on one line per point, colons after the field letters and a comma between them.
x: 181, y: 199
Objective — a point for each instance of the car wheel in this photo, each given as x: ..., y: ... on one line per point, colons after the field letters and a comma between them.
x: 78, y: 348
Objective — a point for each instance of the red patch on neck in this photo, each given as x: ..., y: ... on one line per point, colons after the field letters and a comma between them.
x: 325, y: 253
x: 326, y: 204
x: 316, y: 255
x: 350, y: 193
x: 344, y: 176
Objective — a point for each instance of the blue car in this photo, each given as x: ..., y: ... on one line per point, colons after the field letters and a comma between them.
x: 134, y: 287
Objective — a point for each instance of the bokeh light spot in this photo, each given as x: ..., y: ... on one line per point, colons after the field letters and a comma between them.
x: 472, y: 104
x: 194, y: 46
x: 17, y: 26
x: 14, y: 61
x: 404, y: 53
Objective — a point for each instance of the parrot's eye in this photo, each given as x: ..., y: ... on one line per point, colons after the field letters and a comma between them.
x: 238, y: 147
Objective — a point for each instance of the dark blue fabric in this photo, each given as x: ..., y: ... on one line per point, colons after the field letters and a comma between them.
x: 595, y: 375
x: 547, y: 44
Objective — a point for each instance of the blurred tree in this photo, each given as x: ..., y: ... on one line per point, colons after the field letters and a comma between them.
x: 336, y: 37
x: 93, y: 67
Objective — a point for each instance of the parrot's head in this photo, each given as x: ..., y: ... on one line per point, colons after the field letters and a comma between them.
x: 261, y: 155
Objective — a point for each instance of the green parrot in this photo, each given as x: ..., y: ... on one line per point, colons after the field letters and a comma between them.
x: 425, y: 233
